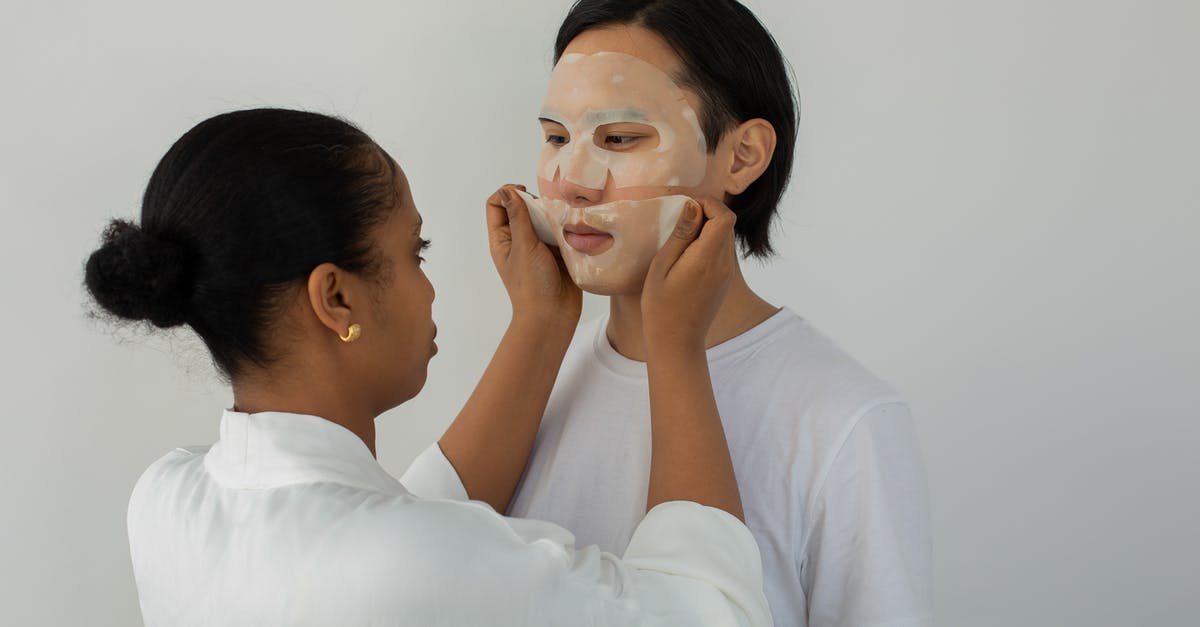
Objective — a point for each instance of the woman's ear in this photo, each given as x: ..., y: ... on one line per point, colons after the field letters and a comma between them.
x: 329, y: 297
x: 752, y: 145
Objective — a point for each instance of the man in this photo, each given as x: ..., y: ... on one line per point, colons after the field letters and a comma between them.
x: 658, y: 98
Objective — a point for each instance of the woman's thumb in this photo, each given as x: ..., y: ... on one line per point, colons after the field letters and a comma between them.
x: 687, y: 228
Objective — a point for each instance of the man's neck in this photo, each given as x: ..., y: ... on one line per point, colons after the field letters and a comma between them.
x: 741, y: 311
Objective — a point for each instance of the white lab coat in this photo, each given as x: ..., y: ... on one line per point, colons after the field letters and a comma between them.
x: 289, y: 520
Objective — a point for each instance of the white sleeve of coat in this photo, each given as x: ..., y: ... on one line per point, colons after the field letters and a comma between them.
x: 686, y: 564
x: 431, y: 476
x: 703, y: 558
x: 443, y: 562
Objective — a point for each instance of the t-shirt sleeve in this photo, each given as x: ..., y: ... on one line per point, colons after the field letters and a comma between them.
x: 867, y: 559
x: 431, y: 476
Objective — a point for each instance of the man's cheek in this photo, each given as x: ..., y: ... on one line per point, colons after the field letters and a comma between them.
x: 639, y: 228
x: 625, y: 176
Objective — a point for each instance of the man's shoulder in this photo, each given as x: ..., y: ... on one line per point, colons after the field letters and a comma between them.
x: 795, y: 363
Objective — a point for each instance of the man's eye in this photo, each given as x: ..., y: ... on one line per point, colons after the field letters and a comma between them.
x: 557, y: 140
x: 620, y: 141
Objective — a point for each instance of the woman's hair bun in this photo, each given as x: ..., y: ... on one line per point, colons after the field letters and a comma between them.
x: 139, y: 275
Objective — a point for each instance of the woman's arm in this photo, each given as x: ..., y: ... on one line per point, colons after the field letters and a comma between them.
x: 684, y: 289
x: 489, y: 442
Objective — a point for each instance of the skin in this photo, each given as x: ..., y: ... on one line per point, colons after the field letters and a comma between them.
x: 351, y: 383
x: 488, y: 443
x: 694, y: 297
x: 684, y: 289
x: 740, y: 158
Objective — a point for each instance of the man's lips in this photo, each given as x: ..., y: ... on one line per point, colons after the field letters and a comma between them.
x: 586, y: 239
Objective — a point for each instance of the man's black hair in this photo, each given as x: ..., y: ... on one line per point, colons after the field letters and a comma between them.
x: 735, y: 67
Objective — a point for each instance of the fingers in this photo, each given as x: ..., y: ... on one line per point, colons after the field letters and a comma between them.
x: 717, y: 235
x: 687, y: 227
x: 497, y: 215
x: 517, y: 215
x: 499, y: 229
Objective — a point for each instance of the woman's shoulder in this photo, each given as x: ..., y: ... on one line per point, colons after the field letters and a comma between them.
x: 172, y: 467
x: 470, y: 526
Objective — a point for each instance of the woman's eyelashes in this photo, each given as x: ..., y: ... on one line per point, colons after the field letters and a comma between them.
x: 424, y: 246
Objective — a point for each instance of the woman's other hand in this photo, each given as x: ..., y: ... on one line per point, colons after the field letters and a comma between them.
x: 689, y: 277
x: 489, y: 442
x: 536, y: 279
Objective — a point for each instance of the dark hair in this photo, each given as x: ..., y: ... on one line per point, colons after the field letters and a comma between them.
x: 735, y: 66
x: 241, y: 208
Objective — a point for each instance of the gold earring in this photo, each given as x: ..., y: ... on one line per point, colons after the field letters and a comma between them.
x: 352, y: 333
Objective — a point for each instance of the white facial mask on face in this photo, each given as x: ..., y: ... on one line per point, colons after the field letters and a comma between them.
x: 639, y: 228
x: 587, y: 92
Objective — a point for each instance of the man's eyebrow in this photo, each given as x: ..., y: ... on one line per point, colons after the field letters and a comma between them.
x: 605, y: 116
x: 609, y: 116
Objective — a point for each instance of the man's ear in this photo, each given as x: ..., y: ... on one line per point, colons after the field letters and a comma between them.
x: 752, y: 144
x: 330, y: 299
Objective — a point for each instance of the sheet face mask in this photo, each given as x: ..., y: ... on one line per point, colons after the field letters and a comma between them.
x: 586, y: 93
x: 590, y: 91
x: 639, y: 229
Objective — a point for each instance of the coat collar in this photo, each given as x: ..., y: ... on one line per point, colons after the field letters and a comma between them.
x: 273, y: 449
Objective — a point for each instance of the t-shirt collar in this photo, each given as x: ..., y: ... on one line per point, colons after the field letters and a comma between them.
x: 624, y: 366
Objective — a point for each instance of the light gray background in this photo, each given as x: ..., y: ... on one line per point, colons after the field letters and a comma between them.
x: 994, y: 206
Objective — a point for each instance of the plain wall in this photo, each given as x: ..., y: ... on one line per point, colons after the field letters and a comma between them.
x: 995, y: 206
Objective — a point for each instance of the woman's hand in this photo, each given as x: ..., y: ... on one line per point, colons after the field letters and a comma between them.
x: 536, y: 278
x: 689, y: 278
x: 489, y: 442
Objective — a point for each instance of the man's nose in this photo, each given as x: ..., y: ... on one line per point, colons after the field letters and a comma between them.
x: 577, y: 195
x: 582, y: 173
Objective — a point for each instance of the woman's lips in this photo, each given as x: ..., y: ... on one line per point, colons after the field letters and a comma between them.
x: 586, y: 239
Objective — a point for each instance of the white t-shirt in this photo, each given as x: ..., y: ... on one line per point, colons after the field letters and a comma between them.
x: 288, y: 520
x: 826, y: 458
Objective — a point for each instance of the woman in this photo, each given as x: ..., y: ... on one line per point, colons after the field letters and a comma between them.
x: 290, y: 243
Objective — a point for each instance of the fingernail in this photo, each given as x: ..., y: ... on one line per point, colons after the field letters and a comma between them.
x: 692, y: 211
x: 505, y: 197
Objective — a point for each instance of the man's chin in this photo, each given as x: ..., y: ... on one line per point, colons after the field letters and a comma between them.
x: 601, y: 290
x: 628, y: 287
x: 616, y: 273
